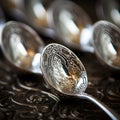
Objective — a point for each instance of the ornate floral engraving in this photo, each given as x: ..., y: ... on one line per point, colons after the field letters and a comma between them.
x: 64, y: 68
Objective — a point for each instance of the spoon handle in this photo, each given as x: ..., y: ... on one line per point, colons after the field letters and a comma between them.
x: 106, y: 109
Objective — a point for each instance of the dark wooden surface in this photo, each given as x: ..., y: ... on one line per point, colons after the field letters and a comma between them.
x: 25, y: 97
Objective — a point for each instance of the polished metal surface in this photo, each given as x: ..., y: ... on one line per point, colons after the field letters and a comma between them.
x: 32, y: 12
x: 21, y: 46
x: 107, y: 43
x: 70, y: 22
x: 109, y: 10
x: 36, y: 13
x: 64, y: 72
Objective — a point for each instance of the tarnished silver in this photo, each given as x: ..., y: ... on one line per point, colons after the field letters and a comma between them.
x: 65, y: 73
x: 21, y: 46
x: 106, y: 42
x: 36, y: 13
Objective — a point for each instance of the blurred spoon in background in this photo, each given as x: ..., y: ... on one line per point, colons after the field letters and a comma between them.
x: 36, y: 13
x: 106, y: 42
x: 109, y: 10
x: 32, y: 12
x: 22, y: 47
x: 71, y: 24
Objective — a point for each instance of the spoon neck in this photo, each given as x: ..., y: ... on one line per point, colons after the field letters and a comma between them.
x: 86, y: 39
x: 106, y: 109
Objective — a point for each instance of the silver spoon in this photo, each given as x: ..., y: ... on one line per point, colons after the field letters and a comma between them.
x: 14, y: 8
x: 21, y: 46
x: 71, y: 24
x: 36, y: 13
x: 106, y: 42
x: 109, y: 10
x: 66, y: 75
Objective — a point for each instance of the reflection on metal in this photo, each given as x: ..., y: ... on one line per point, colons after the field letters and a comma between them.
x: 21, y: 45
x: 109, y: 10
x: 68, y: 20
x: 107, y: 43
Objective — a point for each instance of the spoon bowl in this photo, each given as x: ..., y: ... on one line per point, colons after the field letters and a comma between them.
x: 36, y: 12
x: 70, y: 23
x: 106, y: 42
x: 109, y: 10
x: 33, y: 12
x: 63, y: 70
x: 21, y: 46
x: 65, y: 74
